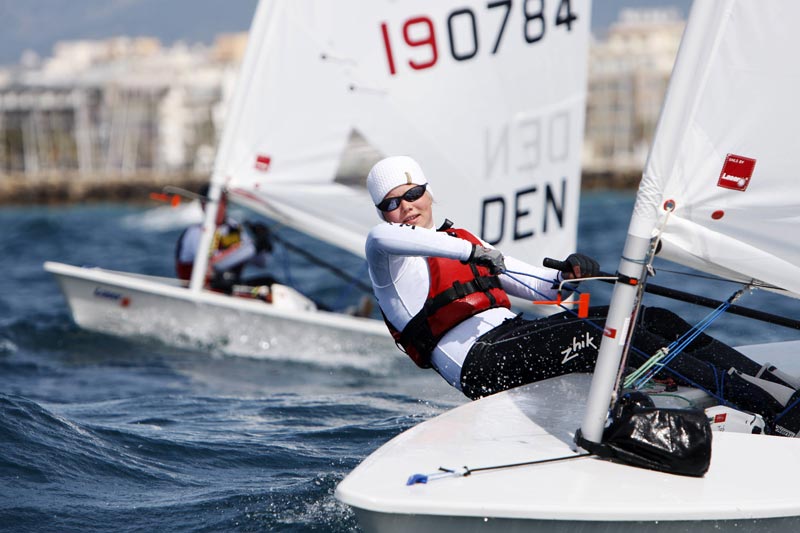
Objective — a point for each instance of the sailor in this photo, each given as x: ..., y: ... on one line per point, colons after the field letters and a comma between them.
x: 443, y: 293
x: 232, y: 250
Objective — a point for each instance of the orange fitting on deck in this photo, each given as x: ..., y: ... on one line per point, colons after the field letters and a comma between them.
x: 582, y: 303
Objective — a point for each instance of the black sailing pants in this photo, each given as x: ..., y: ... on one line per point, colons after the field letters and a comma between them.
x: 521, y: 351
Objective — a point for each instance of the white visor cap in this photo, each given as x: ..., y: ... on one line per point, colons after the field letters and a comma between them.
x: 392, y: 172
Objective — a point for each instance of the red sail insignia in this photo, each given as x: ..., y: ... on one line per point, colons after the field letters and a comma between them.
x: 736, y: 172
x: 262, y: 162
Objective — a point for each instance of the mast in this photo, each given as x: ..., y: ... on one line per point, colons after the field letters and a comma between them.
x: 255, y: 49
x: 200, y: 266
x: 615, y: 335
x: 679, y: 106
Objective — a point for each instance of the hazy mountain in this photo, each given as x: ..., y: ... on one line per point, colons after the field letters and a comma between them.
x: 38, y: 24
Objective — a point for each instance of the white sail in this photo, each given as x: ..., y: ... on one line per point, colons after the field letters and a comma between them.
x: 725, y: 147
x: 718, y: 182
x: 458, y: 85
x: 489, y: 97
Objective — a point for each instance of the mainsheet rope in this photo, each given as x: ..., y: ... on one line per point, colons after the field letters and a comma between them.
x: 353, y: 282
x: 754, y: 283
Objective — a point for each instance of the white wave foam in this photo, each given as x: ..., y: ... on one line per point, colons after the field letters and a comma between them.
x: 165, y: 218
x: 7, y: 346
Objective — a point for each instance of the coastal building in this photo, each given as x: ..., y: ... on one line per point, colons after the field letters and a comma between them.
x: 127, y: 109
x: 117, y: 107
x: 629, y: 72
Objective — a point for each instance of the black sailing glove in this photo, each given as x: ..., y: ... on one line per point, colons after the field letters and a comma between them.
x: 488, y: 257
x: 581, y: 266
x: 261, y: 236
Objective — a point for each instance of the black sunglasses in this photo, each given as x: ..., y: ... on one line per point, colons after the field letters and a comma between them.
x: 411, y: 195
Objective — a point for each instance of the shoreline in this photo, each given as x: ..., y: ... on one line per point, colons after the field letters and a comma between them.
x: 64, y: 189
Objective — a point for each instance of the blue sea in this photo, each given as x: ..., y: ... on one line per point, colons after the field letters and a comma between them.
x: 99, y: 433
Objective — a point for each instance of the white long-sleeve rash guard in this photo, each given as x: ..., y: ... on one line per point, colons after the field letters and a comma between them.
x: 396, y: 254
x: 244, y: 253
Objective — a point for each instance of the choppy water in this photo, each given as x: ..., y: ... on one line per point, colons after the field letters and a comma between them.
x: 104, y: 434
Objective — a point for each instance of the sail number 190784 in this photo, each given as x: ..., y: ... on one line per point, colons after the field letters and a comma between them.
x: 419, y: 46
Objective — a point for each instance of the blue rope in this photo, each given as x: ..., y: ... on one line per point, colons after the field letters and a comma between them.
x: 677, y: 346
x: 721, y: 386
x: 787, y: 409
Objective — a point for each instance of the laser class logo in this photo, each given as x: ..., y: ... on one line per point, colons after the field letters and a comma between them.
x: 106, y: 294
x: 736, y: 172
x: 263, y: 162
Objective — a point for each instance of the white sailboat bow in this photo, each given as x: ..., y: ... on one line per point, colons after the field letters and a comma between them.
x: 718, y: 192
x: 459, y: 85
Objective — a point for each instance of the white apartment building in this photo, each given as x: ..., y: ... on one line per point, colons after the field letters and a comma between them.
x: 129, y: 105
x: 628, y: 75
x: 117, y: 107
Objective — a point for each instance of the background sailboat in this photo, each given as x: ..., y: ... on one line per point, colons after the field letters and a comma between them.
x: 717, y: 189
x: 457, y: 84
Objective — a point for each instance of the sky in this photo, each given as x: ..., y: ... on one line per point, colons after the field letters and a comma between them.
x: 38, y: 24
x: 604, y: 12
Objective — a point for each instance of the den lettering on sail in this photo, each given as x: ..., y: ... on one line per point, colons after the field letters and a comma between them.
x: 534, y: 151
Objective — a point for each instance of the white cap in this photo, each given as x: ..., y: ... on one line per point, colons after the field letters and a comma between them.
x: 392, y: 172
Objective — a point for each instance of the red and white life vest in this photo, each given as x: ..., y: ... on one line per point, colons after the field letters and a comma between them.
x: 227, y: 237
x: 457, y: 291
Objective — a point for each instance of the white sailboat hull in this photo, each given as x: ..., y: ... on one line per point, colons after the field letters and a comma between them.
x: 751, y: 484
x: 484, y: 525
x: 132, y: 305
x: 719, y: 192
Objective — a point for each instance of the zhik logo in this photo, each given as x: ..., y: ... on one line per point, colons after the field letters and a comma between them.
x: 783, y: 431
x: 574, y: 350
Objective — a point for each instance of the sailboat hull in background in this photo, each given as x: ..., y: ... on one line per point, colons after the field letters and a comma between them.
x: 741, y: 491
x: 130, y: 305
